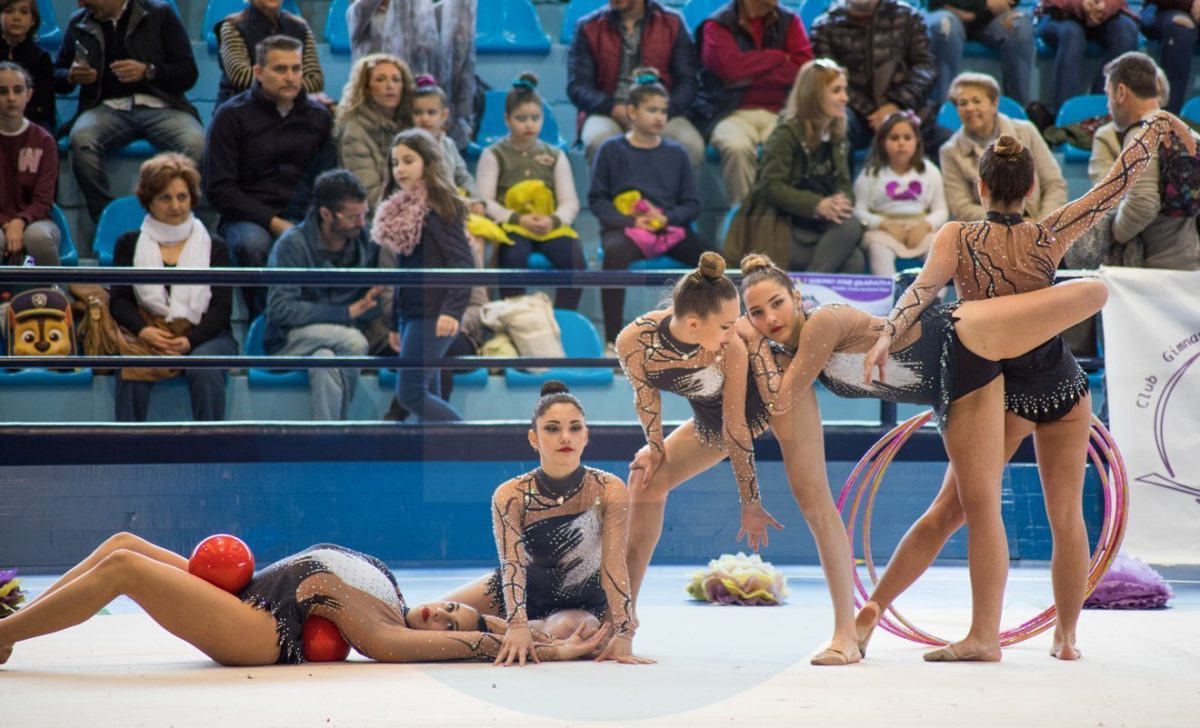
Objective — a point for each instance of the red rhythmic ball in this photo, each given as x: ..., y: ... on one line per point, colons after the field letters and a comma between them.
x: 224, y: 561
x: 323, y: 642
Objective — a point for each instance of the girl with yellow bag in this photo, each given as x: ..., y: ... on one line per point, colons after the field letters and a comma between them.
x: 528, y: 189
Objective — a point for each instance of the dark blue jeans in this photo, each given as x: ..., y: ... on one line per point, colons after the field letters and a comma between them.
x: 563, y: 253
x: 206, y: 387
x: 1178, y: 45
x: 420, y: 390
x: 1070, y: 37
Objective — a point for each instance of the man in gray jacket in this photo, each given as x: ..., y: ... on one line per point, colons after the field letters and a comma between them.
x: 1169, y: 242
x: 323, y: 321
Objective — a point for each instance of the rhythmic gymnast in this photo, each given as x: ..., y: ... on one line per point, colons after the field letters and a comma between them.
x: 949, y: 353
x: 262, y: 624
x: 560, y: 532
x: 1045, y: 393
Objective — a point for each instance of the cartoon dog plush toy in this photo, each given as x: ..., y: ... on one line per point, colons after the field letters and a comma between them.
x: 40, y: 324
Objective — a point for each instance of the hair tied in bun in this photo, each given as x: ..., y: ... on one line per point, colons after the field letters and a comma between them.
x: 425, y: 80
x: 527, y: 81
x: 1008, y: 146
x: 554, y: 386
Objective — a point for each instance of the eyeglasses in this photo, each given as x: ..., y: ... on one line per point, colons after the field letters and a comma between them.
x: 360, y: 217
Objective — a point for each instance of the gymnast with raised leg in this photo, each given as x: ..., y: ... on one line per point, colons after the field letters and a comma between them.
x: 949, y: 354
x: 560, y: 532
x: 1045, y: 393
x: 262, y: 624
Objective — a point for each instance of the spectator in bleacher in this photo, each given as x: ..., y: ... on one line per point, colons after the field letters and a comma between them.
x: 750, y: 52
x: 528, y: 189
x: 669, y: 203
x: 435, y: 38
x: 608, y: 45
x: 1068, y: 26
x: 29, y: 170
x: 1173, y: 23
x: 319, y: 320
x: 19, y: 23
x: 133, y: 60
x: 977, y: 97
x: 423, y: 225
x: 898, y: 196
x: 801, y: 210
x: 173, y: 320
x: 431, y: 112
x: 886, y: 44
x: 265, y: 146
x: 239, y: 35
x: 376, y: 105
x: 1143, y: 218
x: 998, y: 24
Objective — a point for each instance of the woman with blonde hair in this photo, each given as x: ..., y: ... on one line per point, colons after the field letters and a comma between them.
x: 800, y: 212
x: 376, y: 105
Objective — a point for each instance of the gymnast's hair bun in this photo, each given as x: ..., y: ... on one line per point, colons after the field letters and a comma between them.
x: 1008, y: 147
x: 712, y: 266
x: 553, y: 386
x: 755, y: 261
x: 527, y: 80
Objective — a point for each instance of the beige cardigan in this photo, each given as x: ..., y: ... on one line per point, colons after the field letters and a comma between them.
x: 960, y: 172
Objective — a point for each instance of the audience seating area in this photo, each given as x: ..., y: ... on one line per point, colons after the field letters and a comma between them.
x: 513, y: 35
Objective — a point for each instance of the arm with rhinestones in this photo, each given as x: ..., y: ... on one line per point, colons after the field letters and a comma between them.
x: 401, y: 644
x: 937, y: 271
x: 647, y: 400
x: 822, y: 332
x: 737, y: 439
x: 614, y: 574
x: 1070, y: 221
x: 760, y: 357
x: 508, y: 524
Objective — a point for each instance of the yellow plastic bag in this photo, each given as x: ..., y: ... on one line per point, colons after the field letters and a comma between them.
x: 482, y: 227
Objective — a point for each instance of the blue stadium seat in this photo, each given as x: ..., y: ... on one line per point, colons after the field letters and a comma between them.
x: 474, y: 378
x: 45, y: 378
x: 580, y: 340
x: 134, y: 149
x: 492, y: 127
x: 218, y: 9
x: 576, y: 9
x: 810, y: 10
x: 723, y: 231
x: 68, y: 254
x: 662, y: 262
x: 119, y: 217
x: 509, y: 26
x: 49, y: 31
x: 337, y: 31
x: 268, y: 377
x: 538, y: 261
x: 696, y: 11
x: 1191, y: 110
x: 1076, y: 110
x: 948, y: 114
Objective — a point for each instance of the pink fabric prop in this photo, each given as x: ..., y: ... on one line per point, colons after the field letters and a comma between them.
x: 1130, y: 584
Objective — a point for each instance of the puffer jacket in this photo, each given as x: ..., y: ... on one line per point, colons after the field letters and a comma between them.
x: 887, y: 55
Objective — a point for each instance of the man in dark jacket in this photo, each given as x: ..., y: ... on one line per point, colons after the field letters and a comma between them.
x: 133, y: 60
x: 325, y: 320
x: 609, y: 44
x: 884, y: 45
x: 750, y: 51
x: 264, y: 148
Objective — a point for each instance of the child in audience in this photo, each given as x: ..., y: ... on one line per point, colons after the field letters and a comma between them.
x: 898, y: 195
x: 528, y: 189
x: 431, y: 113
x: 422, y: 224
x: 19, y: 23
x: 644, y: 195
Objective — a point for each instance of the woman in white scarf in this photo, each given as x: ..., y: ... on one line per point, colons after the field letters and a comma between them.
x: 172, y: 320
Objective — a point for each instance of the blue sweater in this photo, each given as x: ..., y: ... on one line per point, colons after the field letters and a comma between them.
x: 290, y: 307
x: 663, y: 175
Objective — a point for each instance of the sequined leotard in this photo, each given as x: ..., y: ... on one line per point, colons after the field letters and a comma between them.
x: 562, y: 546
x: 330, y: 580
x: 1004, y: 255
x: 727, y: 410
x: 925, y: 366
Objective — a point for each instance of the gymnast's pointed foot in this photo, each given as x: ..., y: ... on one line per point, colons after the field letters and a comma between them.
x: 968, y: 650
x: 839, y: 652
x: 864, y: 624
x: 1064, y: 647
x: 5, y: 653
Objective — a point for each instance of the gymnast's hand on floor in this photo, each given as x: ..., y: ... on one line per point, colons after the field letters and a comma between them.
x: 518, y: 642
x: 620, y: 648
x: 577, y: 646
x: 755, y: 520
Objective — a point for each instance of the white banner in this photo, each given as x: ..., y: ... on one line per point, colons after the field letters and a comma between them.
x: 1152, y: 368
